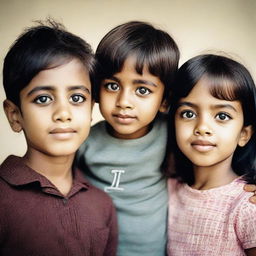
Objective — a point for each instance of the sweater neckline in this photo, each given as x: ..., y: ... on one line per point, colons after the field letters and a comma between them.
x: 224, y: 188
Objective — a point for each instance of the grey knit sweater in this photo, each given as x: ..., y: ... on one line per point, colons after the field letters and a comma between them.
x: 129, y: 171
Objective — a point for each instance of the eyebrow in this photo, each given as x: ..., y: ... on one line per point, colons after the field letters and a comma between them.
x: 136, y: 81
x: 217, y: 106
x: 51, y: 88
x: 142, y: 81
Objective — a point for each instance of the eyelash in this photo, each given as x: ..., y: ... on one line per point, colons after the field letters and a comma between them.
x: 46, y: 99
x: 226, y: 115
x: 183, y: 113
x: 143, y: 94
x: 109, y: 87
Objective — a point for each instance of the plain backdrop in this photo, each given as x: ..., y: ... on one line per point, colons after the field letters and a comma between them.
x: 198, y: 26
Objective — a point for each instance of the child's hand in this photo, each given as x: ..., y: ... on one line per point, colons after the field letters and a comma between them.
x: 251, y: 188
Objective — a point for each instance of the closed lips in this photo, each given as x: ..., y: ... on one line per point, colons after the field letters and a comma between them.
x: 202, y: 143
x: 62, y: 130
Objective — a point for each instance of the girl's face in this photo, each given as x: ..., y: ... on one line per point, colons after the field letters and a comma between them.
x: 129, y: 101
x: 56, y: 110
x: 208, y: 129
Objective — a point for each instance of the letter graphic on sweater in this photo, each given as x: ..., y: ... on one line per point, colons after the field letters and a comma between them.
x: 116, y: 181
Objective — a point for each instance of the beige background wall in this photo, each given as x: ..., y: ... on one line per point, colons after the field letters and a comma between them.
x: 197, y: 26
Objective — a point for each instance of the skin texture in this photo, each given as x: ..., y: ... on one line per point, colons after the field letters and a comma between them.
x: 204, y: 127
x: 55, y: 116
x: 129, y: 101
x: 251, y: 188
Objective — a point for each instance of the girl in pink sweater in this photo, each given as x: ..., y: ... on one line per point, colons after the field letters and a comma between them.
x: 213, y: 115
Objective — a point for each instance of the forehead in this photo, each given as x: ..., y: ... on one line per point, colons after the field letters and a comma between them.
x: 130, y: 68
x: 67, y: 74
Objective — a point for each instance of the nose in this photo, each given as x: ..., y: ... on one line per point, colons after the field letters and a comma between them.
x: 203, y: 128
x: 124, y: 100
x: 62, y: 112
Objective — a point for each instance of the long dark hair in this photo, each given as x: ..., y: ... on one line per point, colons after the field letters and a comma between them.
x: 228, y: 80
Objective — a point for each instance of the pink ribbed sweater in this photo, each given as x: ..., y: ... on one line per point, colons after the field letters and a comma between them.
x: 212, y: 222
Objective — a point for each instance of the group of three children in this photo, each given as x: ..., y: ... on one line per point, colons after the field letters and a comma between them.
x: 51, y: 78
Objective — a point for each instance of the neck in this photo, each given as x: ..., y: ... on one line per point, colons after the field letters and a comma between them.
x: 212, y: 176
x: 58, y: 170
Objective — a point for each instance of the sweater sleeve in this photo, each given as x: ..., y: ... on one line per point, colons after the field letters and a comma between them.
x: 245, y: 224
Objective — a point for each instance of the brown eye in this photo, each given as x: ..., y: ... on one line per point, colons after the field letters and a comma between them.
x: 43, y: 99
x: 143, y: 91
x: 112, y: 87
x: 188, y: 114
x: 77, y: 98
x: 223, y: 117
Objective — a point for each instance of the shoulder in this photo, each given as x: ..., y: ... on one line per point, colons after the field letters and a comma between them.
x: 242, y: 208
x: 244, y: 214
x: 13, y: 171
x: 172, y: 182
x: 174, y: 185
x: 10, y: 173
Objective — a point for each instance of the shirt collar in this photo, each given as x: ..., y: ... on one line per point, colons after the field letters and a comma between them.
x: 14, y: 171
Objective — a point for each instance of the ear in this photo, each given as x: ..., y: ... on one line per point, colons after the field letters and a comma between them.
x: 164, y: 106
x: 13, y: 114
x: 245, y: 135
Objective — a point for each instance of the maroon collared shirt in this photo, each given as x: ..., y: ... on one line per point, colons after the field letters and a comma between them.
x: 37, y: 220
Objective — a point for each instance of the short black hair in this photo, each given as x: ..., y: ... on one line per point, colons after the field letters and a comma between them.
x: 227, y: 80
x: 152, y: 47
x: 44, y: 46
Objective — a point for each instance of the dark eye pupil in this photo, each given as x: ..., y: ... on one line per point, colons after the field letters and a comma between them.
x: 43, y: 99
x: 189, y: 114
x: 142, y: 90
x: 222, y: 116
x: 75, y: 98
x: 114, y: 86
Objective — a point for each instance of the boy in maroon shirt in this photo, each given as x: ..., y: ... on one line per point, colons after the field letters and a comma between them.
x: 47, y: 208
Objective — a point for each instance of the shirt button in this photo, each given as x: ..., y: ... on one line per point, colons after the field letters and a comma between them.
x: 64, y: 200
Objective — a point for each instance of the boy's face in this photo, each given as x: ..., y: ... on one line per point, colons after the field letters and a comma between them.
x: 129, y: 101
x: 56, y: 110
x: 208, y: 129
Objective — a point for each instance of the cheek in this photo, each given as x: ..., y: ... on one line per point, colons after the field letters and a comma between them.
x: 35, y: 122
x: 230, y: 137
x: 183, y: 132
x: 156, y: 101
x: 179, y: 138
x: 106, y: 105
x: 82, y: 117
x: 106, y: 99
